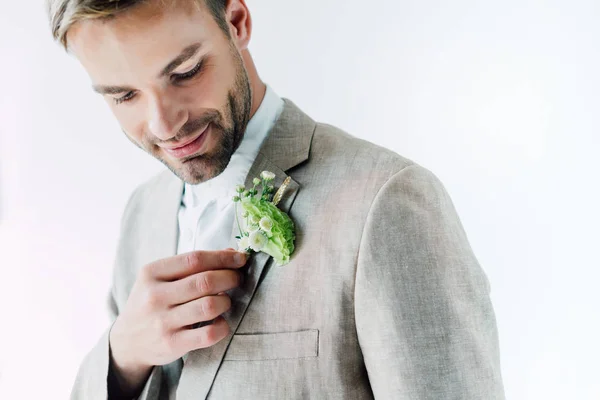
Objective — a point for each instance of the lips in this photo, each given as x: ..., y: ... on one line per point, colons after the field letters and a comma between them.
x: 191, y: 147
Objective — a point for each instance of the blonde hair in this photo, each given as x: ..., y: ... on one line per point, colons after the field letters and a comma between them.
x: 64, y: 13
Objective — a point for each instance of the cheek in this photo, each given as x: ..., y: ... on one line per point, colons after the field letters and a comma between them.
x: 210, y: 90
x: 132, y: 121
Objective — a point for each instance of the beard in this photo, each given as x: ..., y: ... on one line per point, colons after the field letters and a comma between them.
x: 227, y: 127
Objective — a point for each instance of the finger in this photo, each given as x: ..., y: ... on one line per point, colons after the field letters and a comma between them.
x: 182, y: 265
x: 202, y: 284
x: 187, y: 340
x: 200, y: 310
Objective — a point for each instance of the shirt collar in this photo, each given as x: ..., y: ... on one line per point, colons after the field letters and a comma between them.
x: 256, y: 132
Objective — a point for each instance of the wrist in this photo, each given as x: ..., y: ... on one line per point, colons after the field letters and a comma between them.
x: 126, y: 376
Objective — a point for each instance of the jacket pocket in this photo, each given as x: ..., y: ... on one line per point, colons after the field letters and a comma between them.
x: 273, y: 346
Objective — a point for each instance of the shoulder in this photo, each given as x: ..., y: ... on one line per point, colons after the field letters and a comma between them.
x: 154, y: 183
x: 329, y: 140
x: 333, y: 148
x: 153, y: 188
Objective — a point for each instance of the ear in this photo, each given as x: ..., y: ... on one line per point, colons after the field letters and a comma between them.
x: 238, y: 17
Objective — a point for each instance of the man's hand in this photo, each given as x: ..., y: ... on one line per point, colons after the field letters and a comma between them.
x: 168, y: 297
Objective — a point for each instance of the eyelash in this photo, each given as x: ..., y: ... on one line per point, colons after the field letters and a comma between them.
x: 188, y: 75
x: 175, y: 77
x: 125, y: 98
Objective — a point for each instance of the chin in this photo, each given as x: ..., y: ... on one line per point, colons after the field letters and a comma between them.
x: 196, y: 171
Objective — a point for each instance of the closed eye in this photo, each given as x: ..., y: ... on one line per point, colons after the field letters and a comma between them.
x: 189, y: 74
x: 128, y: 96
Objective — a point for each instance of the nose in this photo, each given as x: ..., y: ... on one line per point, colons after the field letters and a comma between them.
x: 165, y: 116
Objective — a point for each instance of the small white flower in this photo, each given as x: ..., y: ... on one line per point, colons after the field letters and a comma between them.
x: 251, y: 228
x: 258, y: 240
x: 254, y: 219
x: 267, y: 175
x: 266, y: 224
x: 256, y: 181
x: 244, y: 243
x: 240, y: 188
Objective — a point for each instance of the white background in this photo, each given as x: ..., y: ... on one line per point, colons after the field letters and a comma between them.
x: 498, y: 98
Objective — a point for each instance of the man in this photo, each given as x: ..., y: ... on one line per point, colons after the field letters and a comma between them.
x: 383, y: 297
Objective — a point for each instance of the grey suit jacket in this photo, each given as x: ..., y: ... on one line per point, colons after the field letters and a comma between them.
x: 383, y: 297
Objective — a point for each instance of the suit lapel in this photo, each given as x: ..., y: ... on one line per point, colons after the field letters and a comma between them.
x: 287, y: 145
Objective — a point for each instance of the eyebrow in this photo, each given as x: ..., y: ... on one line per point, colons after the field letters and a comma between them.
x: 111, y: 89
x: 187, y: 53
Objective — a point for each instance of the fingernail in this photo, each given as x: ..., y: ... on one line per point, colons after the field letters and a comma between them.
x: 239, y: 258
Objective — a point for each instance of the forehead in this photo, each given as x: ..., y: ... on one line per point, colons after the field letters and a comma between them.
x: 121, y: 48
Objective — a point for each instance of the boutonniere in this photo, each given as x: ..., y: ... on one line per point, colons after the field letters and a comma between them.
x: 264, y: 226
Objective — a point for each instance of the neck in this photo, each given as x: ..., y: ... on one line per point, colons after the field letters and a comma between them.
x: 256, y: 84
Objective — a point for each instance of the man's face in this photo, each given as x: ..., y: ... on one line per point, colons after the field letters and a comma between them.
x: 174, y: 80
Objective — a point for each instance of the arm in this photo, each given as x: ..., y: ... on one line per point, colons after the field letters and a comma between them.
x: 96, y: 378
x: 424, y: 318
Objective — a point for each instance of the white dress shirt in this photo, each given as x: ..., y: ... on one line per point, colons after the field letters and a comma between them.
x: 206, y: 214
